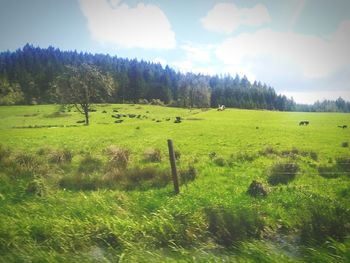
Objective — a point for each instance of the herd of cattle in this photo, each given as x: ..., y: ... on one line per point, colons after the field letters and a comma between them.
x: 178, y: 119
x: 302, y: 123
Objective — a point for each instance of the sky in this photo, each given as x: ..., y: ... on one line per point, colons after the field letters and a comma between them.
x: 299, y: 47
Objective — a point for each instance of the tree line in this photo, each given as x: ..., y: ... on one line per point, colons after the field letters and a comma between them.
x: 28, y: 76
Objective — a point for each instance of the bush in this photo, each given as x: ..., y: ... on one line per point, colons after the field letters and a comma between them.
x: 219, y: 161
x: 228, y: 226
x: 257, y: 189
x: 27, y: 162
x: 212, y: 155
x: 89, y: 164
x: 282, y: 173
x: 188, y: 175
x: 61, y: 156
x: 4, y: 152
x: 113, y: 178
x: 327, y: 220
x: 36, y: 187
x: 328, y: 171
x: 118, y: 157
x: 313, y: 155
x: 147, y: 177
x: 80, y: 182
x: 136, y: 178
x: 242, y: 157
x: 290, y: 153
x: 343, y: 164
x: 268, y: 151
x: 345, y: 144
x: 152, y: 155
x: 104, y: 236
x: 167, y: 228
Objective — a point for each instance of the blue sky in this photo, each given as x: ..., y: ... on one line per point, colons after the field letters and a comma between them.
x: 300, y: 47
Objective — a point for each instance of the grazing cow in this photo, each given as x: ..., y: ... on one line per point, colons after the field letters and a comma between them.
x: 302, y: 123
x: 221, y: 107
x: 178, y: 120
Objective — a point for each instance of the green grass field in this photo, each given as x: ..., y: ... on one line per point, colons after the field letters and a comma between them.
x: 70, y: 192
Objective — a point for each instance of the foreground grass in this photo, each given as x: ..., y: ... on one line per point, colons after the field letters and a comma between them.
x: 55, y: 209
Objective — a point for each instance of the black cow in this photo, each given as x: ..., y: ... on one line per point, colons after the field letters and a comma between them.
x: 302, y: 123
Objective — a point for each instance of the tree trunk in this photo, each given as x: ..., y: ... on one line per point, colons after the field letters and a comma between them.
x: 86, y: 113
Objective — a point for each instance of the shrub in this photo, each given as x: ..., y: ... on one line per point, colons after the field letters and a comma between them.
x: 313, y: 155
x: 152, y: 155
x: 40, y: 232
x: 282, y: 173
x: 257, y: 189
x: 219, y: 161
x: 188, y: 175
x: 36, y: 187
x: 229, y: 226
x: 212, y: 155
x: 89, y: 164
x: 61, y: 156
x: 327, y: 220
x: 4, y: 152
x: 136, y: 178
x: 345, y: 144
x: 328, y: 171
x: 242, y: 157
x: 113, y: 178
x: 80, y: 182
x: 118, y: 157
x: 343, y: 164
x: 147, y: 177
x: 27, y: 162
x: 268, y: 151
x: 104, y: 236
x: 167, y: 228
x: 287, y: 153
x: 43, y: 151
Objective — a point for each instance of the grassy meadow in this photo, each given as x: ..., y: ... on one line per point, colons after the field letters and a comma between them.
x: 103, y: 192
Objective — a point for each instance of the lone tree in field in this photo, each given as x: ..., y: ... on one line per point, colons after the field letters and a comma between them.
x: 82, y: 86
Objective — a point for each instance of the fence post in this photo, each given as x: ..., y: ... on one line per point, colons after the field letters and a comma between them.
x: 173, y: 166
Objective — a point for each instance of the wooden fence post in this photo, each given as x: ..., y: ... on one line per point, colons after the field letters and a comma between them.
x: 173, y: 166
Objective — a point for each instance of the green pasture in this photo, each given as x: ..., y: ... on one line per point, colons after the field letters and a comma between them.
x: 213, y: 219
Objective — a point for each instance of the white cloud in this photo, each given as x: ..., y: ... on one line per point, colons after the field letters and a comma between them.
x: 296, y: 14
x: 226, y: 17
x: 316, y: 57
x: 197, y: 53
x: 143, y: 26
